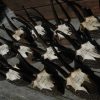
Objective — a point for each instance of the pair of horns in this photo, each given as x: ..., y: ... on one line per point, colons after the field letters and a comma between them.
x: 55, y: 13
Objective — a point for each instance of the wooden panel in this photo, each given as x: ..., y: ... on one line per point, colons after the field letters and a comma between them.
x: 47, y: 11
x: 17, y: 4
x: 44, y: 7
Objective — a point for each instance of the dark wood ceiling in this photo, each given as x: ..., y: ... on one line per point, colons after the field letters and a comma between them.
x: 44, y: 7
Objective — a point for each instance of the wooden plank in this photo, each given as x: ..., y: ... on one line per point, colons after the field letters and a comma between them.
x: 17, y: 4
x: 44, y: 7
x: 47, y: 12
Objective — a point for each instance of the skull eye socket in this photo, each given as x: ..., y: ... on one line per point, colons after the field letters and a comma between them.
x: 27, y: 53
x: 22, y: 35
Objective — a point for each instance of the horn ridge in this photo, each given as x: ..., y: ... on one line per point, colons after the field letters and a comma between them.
x: 55, y: 13
x: 29, y: 17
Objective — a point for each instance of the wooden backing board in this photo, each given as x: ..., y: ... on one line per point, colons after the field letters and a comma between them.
x: 44, y: 7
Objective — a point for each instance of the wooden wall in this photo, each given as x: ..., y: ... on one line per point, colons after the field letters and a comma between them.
x: 44, y: 7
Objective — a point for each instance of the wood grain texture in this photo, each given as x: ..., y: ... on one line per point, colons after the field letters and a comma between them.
x: 44, y: 7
